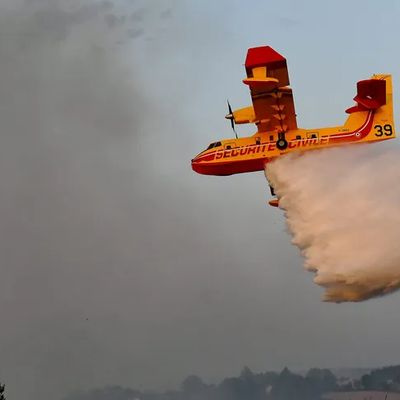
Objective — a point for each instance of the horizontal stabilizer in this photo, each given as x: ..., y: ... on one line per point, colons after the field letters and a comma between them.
x: 371, y: 94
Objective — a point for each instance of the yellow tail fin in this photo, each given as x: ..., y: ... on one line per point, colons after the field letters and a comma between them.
x: 383, y: 127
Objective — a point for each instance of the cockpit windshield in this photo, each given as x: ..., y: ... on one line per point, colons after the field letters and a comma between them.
x: 212, y: 145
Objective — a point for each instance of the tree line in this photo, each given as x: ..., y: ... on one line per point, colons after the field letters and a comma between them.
x: 285, y: 385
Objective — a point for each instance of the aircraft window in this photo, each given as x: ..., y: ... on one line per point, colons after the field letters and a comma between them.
x: 298, y: 137
x: 258, y: 141
x: 228, y: 147
x: 271, y: 138
x: 313, y: 136
x: 215, y: 144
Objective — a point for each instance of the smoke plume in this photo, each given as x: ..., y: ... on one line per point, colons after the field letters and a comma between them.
x: 342, y: 208
x: 69, y: 111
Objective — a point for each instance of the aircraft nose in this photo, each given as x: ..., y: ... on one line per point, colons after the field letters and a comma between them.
x: 195, y: 165
x: 195, y: 158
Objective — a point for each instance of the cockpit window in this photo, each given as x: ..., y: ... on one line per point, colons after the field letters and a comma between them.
x: 216, y: 144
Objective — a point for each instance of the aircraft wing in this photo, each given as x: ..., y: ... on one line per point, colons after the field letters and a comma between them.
x: 268, y: 80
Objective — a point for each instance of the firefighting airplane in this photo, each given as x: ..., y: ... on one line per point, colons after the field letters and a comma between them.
x: 370, y: 120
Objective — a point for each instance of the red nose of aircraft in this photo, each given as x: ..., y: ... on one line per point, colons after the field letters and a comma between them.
x: 196, y: 165
x: 201, y: 165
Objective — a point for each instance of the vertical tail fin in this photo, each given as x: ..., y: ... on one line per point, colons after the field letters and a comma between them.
x: 383, y: 118
x: 374, y: 95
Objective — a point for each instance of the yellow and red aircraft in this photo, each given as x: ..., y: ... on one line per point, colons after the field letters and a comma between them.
x: 370, y: 120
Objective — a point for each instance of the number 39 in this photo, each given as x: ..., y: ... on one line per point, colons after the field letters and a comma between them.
x: 386, y: 130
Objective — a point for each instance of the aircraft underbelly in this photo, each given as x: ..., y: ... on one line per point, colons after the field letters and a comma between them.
x: 230, y: 167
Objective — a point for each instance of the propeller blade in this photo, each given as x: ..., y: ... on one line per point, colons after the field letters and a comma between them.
x: 232, y: 123
x: 232, y: 118
x: 229, y: 108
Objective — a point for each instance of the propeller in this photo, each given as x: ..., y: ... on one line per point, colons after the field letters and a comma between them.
x: 232, y: 118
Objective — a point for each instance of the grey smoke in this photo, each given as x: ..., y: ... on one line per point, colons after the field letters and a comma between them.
x: 70, y: 115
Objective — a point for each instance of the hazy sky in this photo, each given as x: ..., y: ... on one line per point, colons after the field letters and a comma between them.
x: 119, y: 265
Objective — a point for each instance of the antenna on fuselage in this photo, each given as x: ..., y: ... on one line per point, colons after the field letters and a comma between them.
x: 231, y: 117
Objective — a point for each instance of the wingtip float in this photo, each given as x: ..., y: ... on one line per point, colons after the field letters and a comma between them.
x: 273, y: 113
